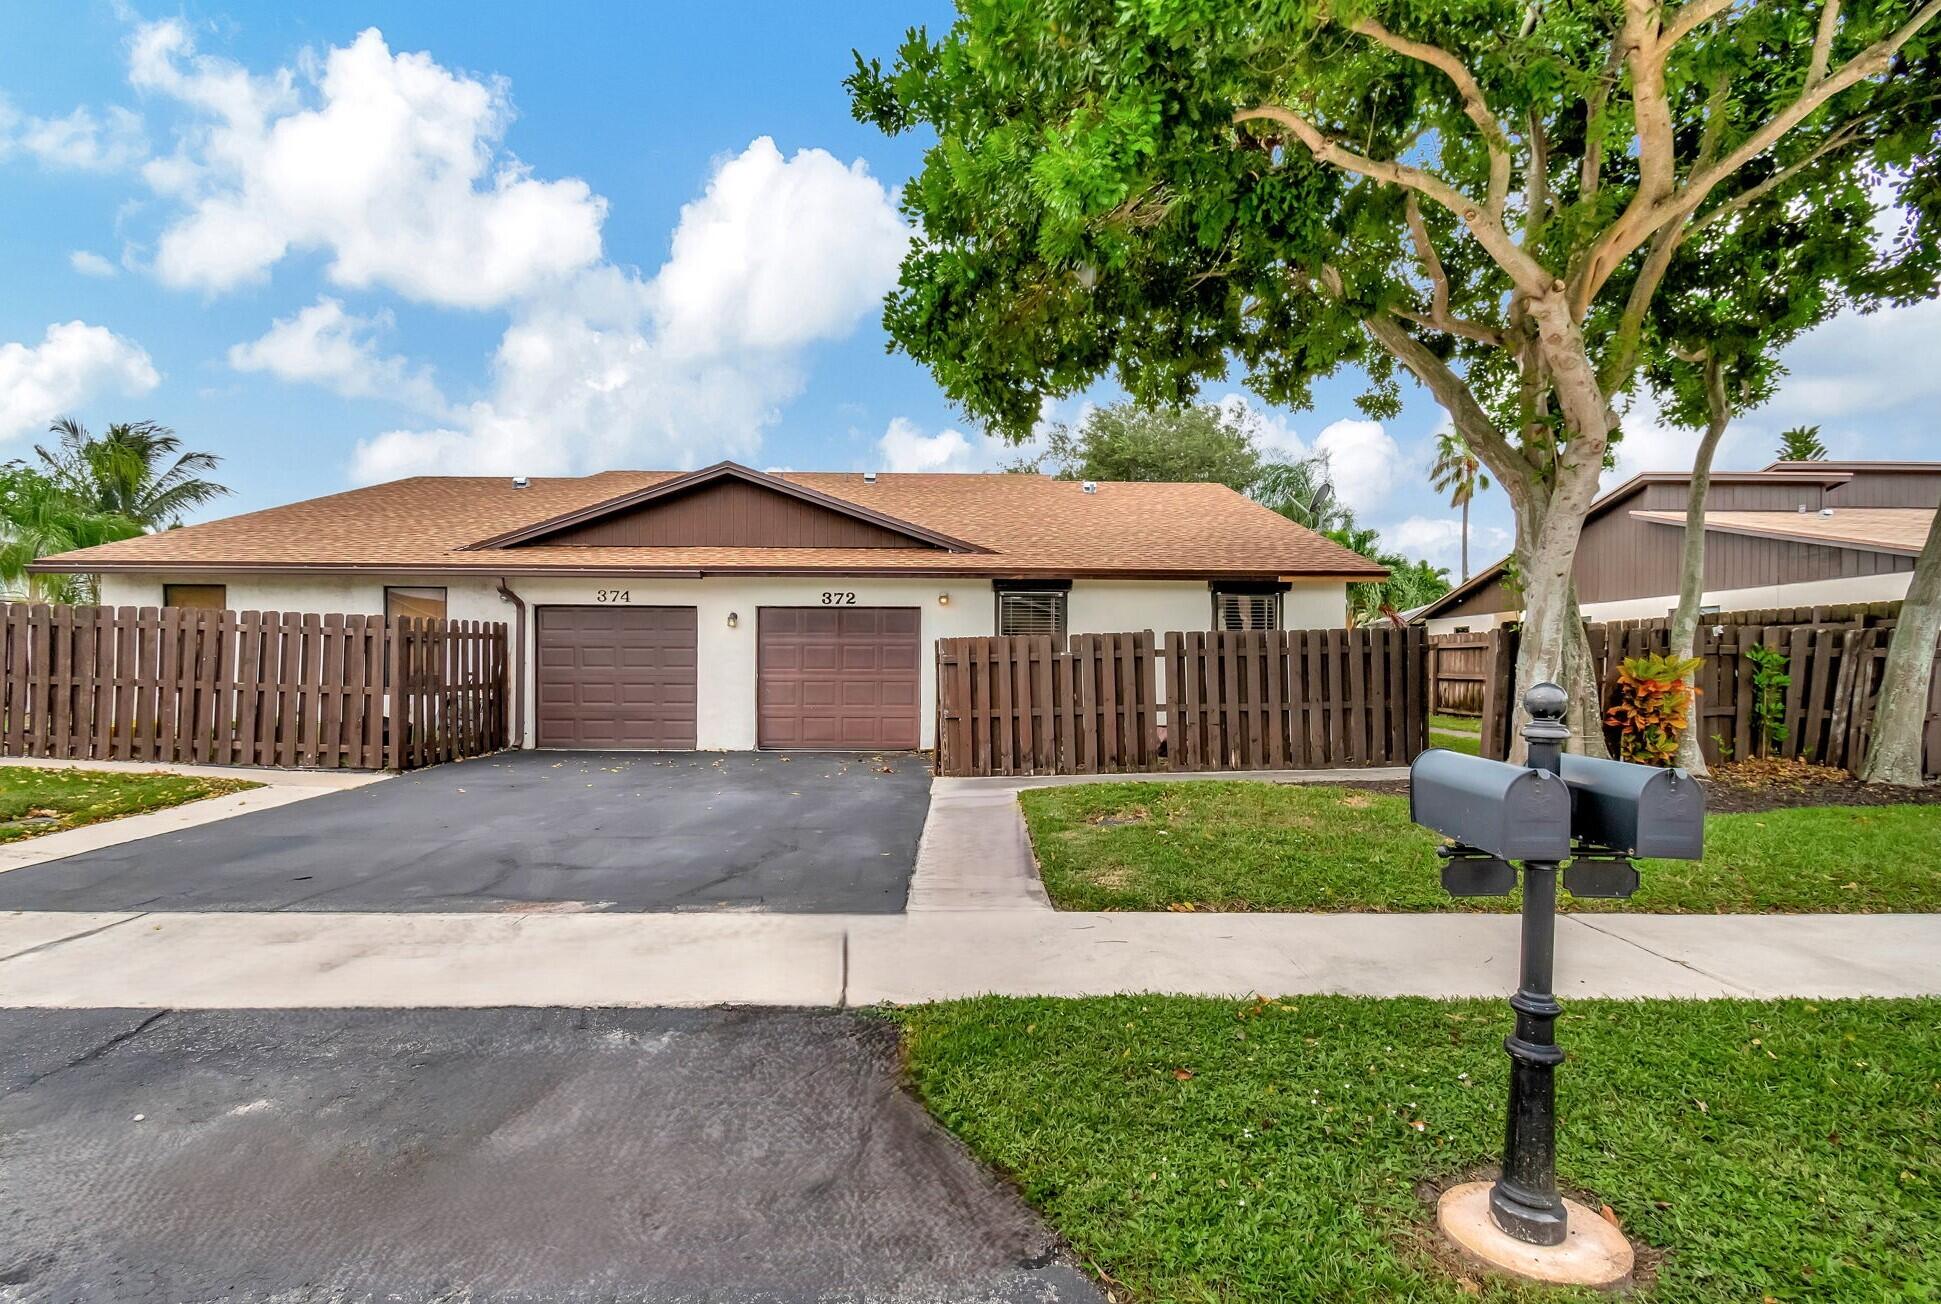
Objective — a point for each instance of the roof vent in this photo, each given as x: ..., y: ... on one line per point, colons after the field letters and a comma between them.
x: 869, y: 477
x: 1825, y: 512
x: 521, y: 482
x: 1091, y: 486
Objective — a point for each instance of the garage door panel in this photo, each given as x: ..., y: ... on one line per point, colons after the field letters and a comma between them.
x: 616, y: 677
x: 838, y: 677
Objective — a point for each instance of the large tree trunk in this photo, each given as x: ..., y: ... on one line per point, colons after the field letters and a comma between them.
x: 1894, y: 756
x: 1465, y: 541
x: 1691, y: 562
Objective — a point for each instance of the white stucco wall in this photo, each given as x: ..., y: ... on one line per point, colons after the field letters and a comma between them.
x: 725, y: 687
x: 1818, y: 593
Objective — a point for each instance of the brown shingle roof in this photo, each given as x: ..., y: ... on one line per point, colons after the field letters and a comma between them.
x: 1030, y: 524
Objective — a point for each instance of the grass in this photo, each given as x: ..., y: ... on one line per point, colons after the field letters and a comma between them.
x: 1247, y: 845
x: 1456, y: 742
x: 34, y: 801
x: 1456, y: 723
x: 1194, y: 1150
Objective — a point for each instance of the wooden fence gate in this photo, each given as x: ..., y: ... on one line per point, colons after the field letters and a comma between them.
x: 248, y: 688
x: 1227, y: 700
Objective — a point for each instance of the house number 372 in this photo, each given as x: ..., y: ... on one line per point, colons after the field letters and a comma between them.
x: 838, y: 599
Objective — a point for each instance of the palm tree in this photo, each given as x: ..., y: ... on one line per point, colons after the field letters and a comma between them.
x: 1304, y: 493
x: 128, y: 472
x: 1458, y: 473
x: 1801, y: 444
x: 40, y: 516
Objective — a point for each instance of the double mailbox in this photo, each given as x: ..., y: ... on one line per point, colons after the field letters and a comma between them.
x: 1595, y: 814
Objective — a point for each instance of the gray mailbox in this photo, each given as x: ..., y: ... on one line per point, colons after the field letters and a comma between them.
x: 1509, y: 811
x: 1635, y: 810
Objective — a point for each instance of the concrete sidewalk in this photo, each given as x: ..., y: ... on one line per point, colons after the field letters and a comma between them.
x: 245, y: 960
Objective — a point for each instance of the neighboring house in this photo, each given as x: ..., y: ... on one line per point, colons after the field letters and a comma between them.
x: 1797, y: 534
x: 730, y: 609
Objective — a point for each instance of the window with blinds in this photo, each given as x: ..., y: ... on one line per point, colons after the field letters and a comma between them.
x: 1031, y: 612
x: 1247, y: 610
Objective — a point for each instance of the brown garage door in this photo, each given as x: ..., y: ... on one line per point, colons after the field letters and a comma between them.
x: 616, y: 677
x: 837, y: 677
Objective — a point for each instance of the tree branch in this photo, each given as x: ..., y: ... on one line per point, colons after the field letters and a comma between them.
x: 1693, y: 14
x: 1753, y: 194
x: 1489, y: 231
x: 1636, y: 225
x: 1593, y: 161
x: 1823, y: 44
x: 1452, y: 392
x: 1475, y: 106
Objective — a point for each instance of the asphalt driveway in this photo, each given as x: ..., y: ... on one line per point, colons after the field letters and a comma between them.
x: 537, y: 831
x: 491, y: 1155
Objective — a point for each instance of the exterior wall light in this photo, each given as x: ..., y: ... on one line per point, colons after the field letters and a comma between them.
x: 943, y: 599
x: 734, y: 619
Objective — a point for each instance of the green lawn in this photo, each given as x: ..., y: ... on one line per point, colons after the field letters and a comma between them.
x: 1456, y: 723
x: 1456, y: 742
x: 35, y: 801
x: 1195, y: 1150
x: 1246, y: 845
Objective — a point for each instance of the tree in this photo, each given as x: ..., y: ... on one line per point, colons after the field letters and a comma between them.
x: 40, y: 516
x: 1734, y: 294
x: 1458, y: 473
x: 1409, y: 584
x: 1894, y: 754
x: 1801, y: 444
x: 1303, y: 491
x: 1124, y: 441
x: 128, y: 472
x: 1165, y: 190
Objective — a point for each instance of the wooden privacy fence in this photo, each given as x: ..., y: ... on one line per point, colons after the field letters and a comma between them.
x: 1458, y: 669
x: 1834, y: 671
x: 1120, y: 703
x: 248, y: 687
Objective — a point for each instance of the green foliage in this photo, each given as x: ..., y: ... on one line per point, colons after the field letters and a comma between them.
x: 1303, y: 491
x: 1653, y: 706
x: 1410, y: 584
x: 136, y: 470
x: 1769, y: 684
x: 40, y: 516
x: 1249, y: 845
x: 1457, y: 471
x: 1275, y: 1151
x: 1123, y: 441
x: 1801, y: 444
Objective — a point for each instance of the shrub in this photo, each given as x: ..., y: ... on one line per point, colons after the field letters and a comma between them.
x: 1653, y: 707
x: 1769, y: 684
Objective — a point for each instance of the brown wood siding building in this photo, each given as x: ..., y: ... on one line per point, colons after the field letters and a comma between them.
x: 1623, y: 557
x: 728, y: 514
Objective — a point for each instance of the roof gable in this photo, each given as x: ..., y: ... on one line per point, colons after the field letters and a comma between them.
x: 726, y: 506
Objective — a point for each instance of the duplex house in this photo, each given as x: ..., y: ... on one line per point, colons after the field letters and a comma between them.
x: 729, y: 608
x: 1797, y: 534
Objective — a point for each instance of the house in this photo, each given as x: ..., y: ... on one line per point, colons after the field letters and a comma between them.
x: 1797, y: 534
x: 729, y: 608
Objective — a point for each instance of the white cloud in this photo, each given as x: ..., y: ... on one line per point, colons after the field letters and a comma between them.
x: 387, y: 162
x: 1857, y: 366
x: 73, y: 362
x: 1364, y: 459
x: 324, y: 345
x: 1439, y: 540
x: 89, y: 263
x: 79, y: 140
x: 778, y: 252
x: 689, y: 366
x: 907, y: 448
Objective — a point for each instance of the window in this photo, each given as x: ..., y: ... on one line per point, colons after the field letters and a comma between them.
x: 196, y: 597
x: 418, y: 603
x: 1246, y: 610
x: 1032, y: 607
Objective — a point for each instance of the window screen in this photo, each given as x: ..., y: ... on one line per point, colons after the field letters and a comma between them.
x: 1031, y: 612
x: 1246, y: 610
x: 418, y: 603
x: 197, y: 597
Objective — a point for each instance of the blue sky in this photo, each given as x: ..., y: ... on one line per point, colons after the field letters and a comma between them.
x: 366, y: 240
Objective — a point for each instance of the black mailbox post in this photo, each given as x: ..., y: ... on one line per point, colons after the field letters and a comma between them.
x: 1593, y: 814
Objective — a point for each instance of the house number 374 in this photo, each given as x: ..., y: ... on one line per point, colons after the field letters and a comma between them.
x: 613, y: 595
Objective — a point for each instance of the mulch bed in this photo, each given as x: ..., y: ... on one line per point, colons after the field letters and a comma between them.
x: 1758, y: 785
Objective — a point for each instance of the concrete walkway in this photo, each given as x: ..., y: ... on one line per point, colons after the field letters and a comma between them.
x: 219, y: 960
